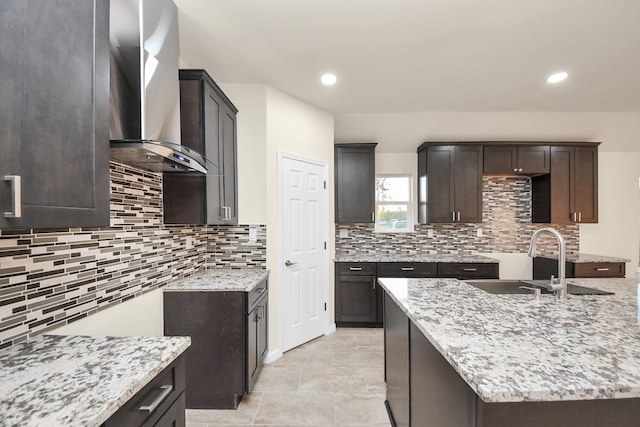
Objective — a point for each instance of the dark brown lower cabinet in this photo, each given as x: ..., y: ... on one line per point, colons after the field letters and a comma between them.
x: 438, y: 396
x: 160, y: 403
x: 543, y: 268
x: 228, y: 331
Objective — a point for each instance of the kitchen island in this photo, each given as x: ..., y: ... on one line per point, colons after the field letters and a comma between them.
x: 458, y: 356
x: 58, y: 380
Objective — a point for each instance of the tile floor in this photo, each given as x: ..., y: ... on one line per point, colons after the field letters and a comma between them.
x: 335, y: 380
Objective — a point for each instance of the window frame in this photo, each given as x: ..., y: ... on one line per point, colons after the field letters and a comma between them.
x: 409, y: 203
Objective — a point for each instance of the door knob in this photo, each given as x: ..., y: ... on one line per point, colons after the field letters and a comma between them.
x: 289, y: 263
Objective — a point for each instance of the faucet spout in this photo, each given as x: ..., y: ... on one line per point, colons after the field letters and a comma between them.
x: 561, y: 282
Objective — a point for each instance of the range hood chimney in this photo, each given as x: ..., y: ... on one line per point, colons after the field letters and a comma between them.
x: 144, y: 88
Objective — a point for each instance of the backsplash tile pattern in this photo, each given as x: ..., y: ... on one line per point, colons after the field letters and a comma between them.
x: 506, y: 228
x: 52, y: 277
x: 230, y: 246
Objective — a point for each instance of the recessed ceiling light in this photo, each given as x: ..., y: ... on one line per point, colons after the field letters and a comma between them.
x: 557, y: 77
x: 328, y: 79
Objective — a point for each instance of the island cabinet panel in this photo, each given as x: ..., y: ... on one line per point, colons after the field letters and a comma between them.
x: 54, y: 114
x: 396, y: 368
x: 355, y: 183
x: 543, y: 268
x: 160, y: 403
x: 449, y: 183
x: 439, y: 396
x: 516, y: 159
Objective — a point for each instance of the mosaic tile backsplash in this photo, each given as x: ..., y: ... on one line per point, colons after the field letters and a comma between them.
x: 506, y: 228
x: 52, y: 277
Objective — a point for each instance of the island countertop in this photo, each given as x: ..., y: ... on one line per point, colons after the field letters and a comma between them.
x: 58, y: 380
x: 510, y: 348
x: 220, y: 279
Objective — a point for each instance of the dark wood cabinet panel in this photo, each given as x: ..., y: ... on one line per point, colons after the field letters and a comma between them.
x: 450, y: 186
x: 569, y: 194
x: 543, y: 268
x: 459, y: 270
x: 54, y: 118
x: 407, y: 269
x: 208, y: 126
x: 354, y: 183
x: 356, y: 268
x: 356, y: 299
x: 396, y: 358
x: 516, y: 159
x: 228, y: 331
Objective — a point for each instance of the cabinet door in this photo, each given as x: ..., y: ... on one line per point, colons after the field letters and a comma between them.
x: 561, y: 183
x: 212, y: 132
x: 356, y: 299
x: 263, y: 331
x: 440, y: 187
x: 500, y: 159
x: 584, y: 197
x: 468, y: 183
x: 534, y: 159
x: 355, y: 183
x: 229, y: 179
x: 54, y: 82
x: 252, y: 348
x: 396, y: 362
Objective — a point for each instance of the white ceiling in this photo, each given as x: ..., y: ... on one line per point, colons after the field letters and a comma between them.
x: 394, y: 56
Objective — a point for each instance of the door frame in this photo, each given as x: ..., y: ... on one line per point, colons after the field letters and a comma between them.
x: 281, y: 155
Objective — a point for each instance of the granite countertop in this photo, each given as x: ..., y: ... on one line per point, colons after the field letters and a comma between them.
x: 58, y: 380
x: 580, y: 257
x: 386, y: 257
x: 220, y: 279
x: 510, y: 348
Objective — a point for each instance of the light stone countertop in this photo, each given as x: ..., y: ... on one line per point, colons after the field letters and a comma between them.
x: 220, y: 279
x: 58, y: 380
x: 510, y: 348
x: 386, y: 257
x: 580, y: 258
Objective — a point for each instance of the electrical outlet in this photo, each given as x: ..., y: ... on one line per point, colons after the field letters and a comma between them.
x: 253, y: 234
x: 188, y: 242
x: 479, y: 232
x: 430, y: 233
x: 344, y: 233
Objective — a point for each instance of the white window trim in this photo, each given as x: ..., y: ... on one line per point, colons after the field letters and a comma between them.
x: 410, y: 206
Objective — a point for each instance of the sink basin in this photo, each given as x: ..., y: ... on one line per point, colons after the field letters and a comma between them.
x: 513, y: 287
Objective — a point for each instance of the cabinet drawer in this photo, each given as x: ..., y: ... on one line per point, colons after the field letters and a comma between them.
x: 407, y: 269
x: 355, y: 268
x: 256, y: 293
x: 468, y: 270
x: 600, y: 269
x: 155, y: 399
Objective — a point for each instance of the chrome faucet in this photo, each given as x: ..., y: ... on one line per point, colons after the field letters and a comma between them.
x: 559, y: 284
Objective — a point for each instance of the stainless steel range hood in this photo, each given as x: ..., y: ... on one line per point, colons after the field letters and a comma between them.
x: 144, y: 88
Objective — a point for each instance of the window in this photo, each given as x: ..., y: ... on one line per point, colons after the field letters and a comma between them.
x: 393, y: 203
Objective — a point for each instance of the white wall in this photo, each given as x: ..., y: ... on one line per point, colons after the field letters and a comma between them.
x: 139, y: 316
x: 618, y: 230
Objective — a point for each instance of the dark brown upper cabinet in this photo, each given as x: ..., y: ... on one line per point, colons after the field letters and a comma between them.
x: 355, y: 177
x: 517, y: 159
x: 569, y: 194
x: 54, y: 114
x: 208, y: 126
x: 449, y: 183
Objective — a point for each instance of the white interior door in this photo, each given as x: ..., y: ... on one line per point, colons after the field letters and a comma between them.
x: 303, y: 240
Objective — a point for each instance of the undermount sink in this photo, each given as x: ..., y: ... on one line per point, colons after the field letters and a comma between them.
x: 515, y: 287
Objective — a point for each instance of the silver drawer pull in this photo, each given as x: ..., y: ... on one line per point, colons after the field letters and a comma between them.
x: 469, y: 269
x: 407, y: 268
x: 16, y: 196
x: 355, y: 268
x: 601, y: 269
x: 166, y: 391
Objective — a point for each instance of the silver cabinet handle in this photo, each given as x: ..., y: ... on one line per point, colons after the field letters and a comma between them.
x: 226, y: 213
x: 16, y: 196
x: 579, y: 216
x: 519, y: 169
x: 373, y: 281
x: 458, y: 216
x: 407, y: 268
x: 166, y: 391
x: 515, y: 169
x: 289, y: 263
x: 355, y: 268
x: 601, y: 269
x: 373, y: 217
x: 469, y: 269
x: 453, y: 216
